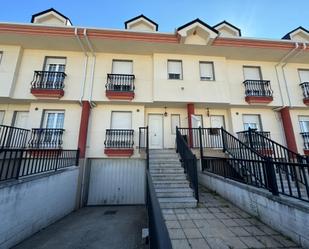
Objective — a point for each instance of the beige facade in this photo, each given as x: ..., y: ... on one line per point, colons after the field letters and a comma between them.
x: 89, y: 56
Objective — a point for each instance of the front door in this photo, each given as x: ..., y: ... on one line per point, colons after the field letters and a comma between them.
x: 155, y: 123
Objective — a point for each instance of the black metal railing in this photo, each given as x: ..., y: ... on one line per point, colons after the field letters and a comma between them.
x: 188, y: 161
x: 120, y: 82
x: 252, y: 139
x: 258, y: 88
x: 143, y: 142
x: 13, y: 137
x: 48, y: 80
x: 305, y: 88
x: 305, y: 136
x: 119, y: 138
x: 210, y: 137
x: 19, y: 163
x: 45, y: 138
x: 158, y: 233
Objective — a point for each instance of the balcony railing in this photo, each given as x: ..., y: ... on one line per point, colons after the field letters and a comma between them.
x: 120, y: 82
x: 260, y: 88
x: 118, y: 138
x: 253, y: 139
x: 48, y: 80
x: 44, y: 138
x: 13, y: 137
x: 305, y: 88
x: 305, y: 136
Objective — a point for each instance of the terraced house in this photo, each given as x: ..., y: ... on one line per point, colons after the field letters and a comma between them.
x: 120, y: 96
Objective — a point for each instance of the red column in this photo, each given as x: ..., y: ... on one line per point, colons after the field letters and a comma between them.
x: 83, y: 129
x: 190, y: 109
x: 288, y: 129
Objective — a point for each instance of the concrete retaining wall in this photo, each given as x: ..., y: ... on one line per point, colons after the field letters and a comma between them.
x: 286, y: 215
x: 27, y: 206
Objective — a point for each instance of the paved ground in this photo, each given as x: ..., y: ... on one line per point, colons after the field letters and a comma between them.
x: 93, y: 228
x: 218, y: 224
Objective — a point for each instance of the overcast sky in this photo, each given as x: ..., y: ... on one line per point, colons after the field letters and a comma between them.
x: 255, y: 18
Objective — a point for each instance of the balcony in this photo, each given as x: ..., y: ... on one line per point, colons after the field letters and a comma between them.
x: 119, y: 142
x: 258, y: 91
x: 44, y: 138
x: 305, y: 88
x: 120, y: 86
x: 13, y: 137
x: 47, y: 84
x: 305, y: 136
x: 258, y: 140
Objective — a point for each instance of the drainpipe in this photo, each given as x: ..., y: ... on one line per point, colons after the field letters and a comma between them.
x: 82, y: 88
x: 93, y: 67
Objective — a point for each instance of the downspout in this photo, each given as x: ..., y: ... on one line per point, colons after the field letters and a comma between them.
x: 92, y: 69
x: 82, y: 88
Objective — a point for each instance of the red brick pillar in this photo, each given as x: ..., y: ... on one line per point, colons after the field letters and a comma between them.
x: 190, y: 110
x: 83, y: 129
x: 288, y: 129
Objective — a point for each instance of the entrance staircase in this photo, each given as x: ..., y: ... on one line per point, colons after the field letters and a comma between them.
x: 169, y: 180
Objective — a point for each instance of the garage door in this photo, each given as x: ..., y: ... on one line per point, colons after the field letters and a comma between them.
x: 116, y: 182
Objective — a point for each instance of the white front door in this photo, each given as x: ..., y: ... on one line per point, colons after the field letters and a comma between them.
x: 21, y: 119
x: 155, y: 123
x: 217, y: 121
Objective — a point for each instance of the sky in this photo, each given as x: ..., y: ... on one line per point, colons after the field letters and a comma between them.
x: 256, y: 18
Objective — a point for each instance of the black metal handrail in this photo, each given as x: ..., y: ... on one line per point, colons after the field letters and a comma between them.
x: 158, y: 233
x: 13, y: 137
x: 120, y: 82
x: 143, y: 142
x: 46, y: 138
x: 211, y: 137
x: 305, y: 88
x: 48, y: 80
x: 19, y: 163
x: 305, y: 136
x: 119, y: 138
x: 256, y: 143
x: 258, y: 88
x: 189, y: 162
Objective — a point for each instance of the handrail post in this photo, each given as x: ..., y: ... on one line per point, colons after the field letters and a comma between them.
x: 195, y: 179
x: 271, y: 176
x: 250, y: 137
x: 201, y: 145
x: 223, y: 140
x: 147, y: 147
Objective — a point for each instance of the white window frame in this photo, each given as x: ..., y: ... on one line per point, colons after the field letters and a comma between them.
x: 54, y: 57
x: 15, y: 117
x: 123, y: 61
x: 256, y: 67
x: 223, y: 118
x: 1, y: 56
x: 203, y: 78
x: 259, y: 120
x: 173, y: 129
x: 299, y: 70
x: 300, y: 121
x: 169, y: 74
x: 111, y: 120
x: 2, y: 118
x: 45, y: 115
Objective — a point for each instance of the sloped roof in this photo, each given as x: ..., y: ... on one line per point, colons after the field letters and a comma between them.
x: 47, y: 11
x: 139, y: 17
x: 288, y: 37
x: 228, y: 24
x: 200, y: 22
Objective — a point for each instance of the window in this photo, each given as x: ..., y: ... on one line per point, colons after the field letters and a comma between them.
x: 207, y: 71
x: 53, y: 119
x: 1, y: 55
x: 252, y: 73
x: 175, y: 119
x: 1, y: 117
x: 121, y: 120
x: 197, y: 121
x: 252, y: 121
x: 174, y: 69
x: 303, y: 75
x: 217, y: 121
x: 55, y: 64
x: 20, y: 119
x: 304, y: 123
x: 122, y: 67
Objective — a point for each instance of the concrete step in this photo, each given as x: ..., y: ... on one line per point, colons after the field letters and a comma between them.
x: 171, y: 185
x: 159, y: 170
x: 162, y: 160
x: 167, y: 164
x: 174, y: 194
x: 176, y: 202
x: 171, y: 177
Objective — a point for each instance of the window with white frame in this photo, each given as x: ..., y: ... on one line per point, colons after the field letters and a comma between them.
x: 217, y: 121
x: 54, y: 64
x: 252, y: 73
x: 175, y: 121
x: 53, y: 119
x: 121, y: 120
x: 174, y: 69
x: 1, y: 117
x: 20, y: 119
x: 207, y: 71
x: 1, y: 55
x: 304, y: 123
x: 197, y: 121
x: 252, y: 121
x: 122, y: 67
x: 303, y: 75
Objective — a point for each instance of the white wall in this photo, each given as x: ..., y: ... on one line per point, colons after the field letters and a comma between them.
x: 29, y: 205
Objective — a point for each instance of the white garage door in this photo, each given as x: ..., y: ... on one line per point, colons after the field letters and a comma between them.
x: 117, y: 182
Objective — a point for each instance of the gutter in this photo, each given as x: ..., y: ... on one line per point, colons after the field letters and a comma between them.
x: 92, y: 104
x: 82, y: 90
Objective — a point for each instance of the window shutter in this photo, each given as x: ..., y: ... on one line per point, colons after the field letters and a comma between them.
x: 121, y: 120
x: 304, y: 75
x: 252, y: 73
x: 174, y: 67
x: 122, y: 67
x: 206, y: 71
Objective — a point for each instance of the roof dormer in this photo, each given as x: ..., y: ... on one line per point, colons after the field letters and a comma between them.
x: 197, y: 32
x: 299, y: 34
x: 141, y: 23
x: 226, y: 29
x: 51, y: 17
